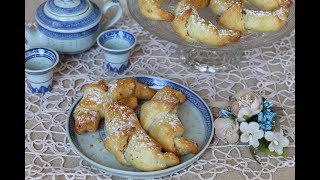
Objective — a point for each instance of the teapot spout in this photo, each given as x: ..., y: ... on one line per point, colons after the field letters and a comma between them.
x: 33, y: 37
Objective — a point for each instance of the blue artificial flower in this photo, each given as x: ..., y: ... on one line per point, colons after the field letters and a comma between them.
x: 225, y: 113
x: 269, y: 116
x: 267, y: 104
x: 266, y: 119
x: 265, y: 127
x: 261, y: 117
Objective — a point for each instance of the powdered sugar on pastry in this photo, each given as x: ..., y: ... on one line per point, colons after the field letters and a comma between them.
x: 145, y: 141
x: 95, y: 98
x: 190, y: 26
x: 137, y: 147
x: 234, y: 15
x: 173, y: 120
x: 279, y: 12
x: 170, y: 118
x: 152, y: 9
x: 160, y: 119
x: 86, y: 116
x: 112, y: 85
x: 98, y: 95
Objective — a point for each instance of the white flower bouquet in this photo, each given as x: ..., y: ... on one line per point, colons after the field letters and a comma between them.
x: 249, y: 117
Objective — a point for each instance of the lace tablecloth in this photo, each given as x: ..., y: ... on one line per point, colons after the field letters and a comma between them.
x: 268, y: 70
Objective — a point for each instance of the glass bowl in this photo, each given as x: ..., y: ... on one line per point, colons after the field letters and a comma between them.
x: 213, y: 57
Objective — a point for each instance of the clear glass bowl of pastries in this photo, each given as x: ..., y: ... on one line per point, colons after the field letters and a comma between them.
x: 225, y: 27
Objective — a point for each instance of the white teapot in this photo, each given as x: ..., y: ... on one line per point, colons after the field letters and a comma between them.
x: 69, y: 26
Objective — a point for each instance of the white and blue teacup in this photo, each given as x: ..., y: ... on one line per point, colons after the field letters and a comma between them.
x: 116, y: 44
x: 39, y: 64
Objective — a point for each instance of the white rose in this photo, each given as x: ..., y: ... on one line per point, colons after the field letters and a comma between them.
x: 247, y: 105
x: 227, y: 129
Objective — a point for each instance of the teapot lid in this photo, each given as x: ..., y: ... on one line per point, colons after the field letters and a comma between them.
x: 68, y: 16
x: 67, y: 7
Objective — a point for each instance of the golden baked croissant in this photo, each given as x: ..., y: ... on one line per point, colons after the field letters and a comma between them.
x: 159, y: 118
x: 270, y: 5
x: 220, y: 6
x: 152, y: 10
x: 234, y: 16
x: 89, y: 111
x: 130, y: 144
x: 198, y: 4
x: 131, y: 102
x: 188, y: 25
x: 127, y: 87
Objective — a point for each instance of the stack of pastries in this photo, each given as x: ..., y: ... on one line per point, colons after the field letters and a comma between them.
x: 233, y: 16
x: 152, y: 143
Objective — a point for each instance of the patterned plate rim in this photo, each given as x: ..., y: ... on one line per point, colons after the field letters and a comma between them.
x: 151, y: 174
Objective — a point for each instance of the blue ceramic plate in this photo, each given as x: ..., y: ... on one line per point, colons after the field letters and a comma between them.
x: 193, y: 113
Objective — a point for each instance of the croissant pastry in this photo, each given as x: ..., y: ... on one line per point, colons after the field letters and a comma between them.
x: 130, y: 144
x: 270, y: 5
x: 89, y: 111
x: 188, y: 25
x: 198, y: 4
x: 123, y: 88
x: 220, y: 6
x: 152, y: 10
x: 159, y: 118
x: 234, y: 16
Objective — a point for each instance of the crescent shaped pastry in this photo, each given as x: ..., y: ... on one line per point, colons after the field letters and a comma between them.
x: 152, y: 9
x: 130, y: 144
x: 234, y: 16
x: 96, y: 95
x: 220, y: 6
x: 159, y: 118
x: 89, y: 111
x: 270, y: 5
x: 191, y: 27
x: 198, y: 4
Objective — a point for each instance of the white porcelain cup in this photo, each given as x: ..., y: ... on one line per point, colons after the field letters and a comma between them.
x: 116, y: 44
x: 39, y: 64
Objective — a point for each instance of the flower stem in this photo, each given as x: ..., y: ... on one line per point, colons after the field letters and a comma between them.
x: 253, y: 153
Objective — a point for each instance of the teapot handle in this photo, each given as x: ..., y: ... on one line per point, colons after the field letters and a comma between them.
x: 118, y: 15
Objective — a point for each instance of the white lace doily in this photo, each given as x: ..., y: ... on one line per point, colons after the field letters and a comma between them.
x: 268, y: 70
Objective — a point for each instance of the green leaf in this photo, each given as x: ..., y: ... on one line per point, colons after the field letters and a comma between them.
x: 253, y: 153
x: 263, y: 147
x: 246, y: 117
x: 252, y: 119
x: 233, y: 117
x: 284, y: 154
